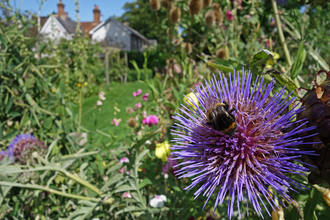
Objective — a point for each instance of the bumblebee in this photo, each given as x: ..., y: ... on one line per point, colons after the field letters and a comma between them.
x: 220, y: 117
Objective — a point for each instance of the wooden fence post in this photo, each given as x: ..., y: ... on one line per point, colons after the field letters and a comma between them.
x: 126, y: 69
x: 106, y: 60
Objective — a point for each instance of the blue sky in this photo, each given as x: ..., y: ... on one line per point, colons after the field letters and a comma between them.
x: 108, y: 7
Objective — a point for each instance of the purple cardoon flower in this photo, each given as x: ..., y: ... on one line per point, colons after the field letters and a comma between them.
x: 256, y: 156
x: 23, y: 146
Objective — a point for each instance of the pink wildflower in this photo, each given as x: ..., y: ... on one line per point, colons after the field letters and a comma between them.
x: 116, y: 121
x: 197, y: 84
x: 138, y: 105
x: 124, y: 160
x: 98, y: 103
x: 122, y: 170
x: 150, y: 120
x: 134, y: 94
x: 102, y: 93
x: 229, y: 15
x: 138, y: 92
x: 127, y: 195
x: 170, y: 164
x: 145, y: 97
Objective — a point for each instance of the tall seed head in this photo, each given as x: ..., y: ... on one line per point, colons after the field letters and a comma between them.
x: 218, y: 16
x: 175, y: 15
x: 132, y: 122
x: 188, y: 48
x: 154, y: 4
x: 207, y: 3
x: 222, y: 54
x: 210, y: 18
x: 215, y: 6
x: 166, y: 4
x: 195, y: 6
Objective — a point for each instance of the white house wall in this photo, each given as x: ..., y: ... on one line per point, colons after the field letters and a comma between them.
x: 54, y: 30
x: 113, y: 35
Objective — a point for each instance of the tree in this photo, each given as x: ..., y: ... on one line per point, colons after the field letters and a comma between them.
x: 142, y: 18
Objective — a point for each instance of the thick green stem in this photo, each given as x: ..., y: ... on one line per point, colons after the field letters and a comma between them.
x: 71, y: 176
x: 37, y: 187
x: 80, y: 109
x: 280, y: 32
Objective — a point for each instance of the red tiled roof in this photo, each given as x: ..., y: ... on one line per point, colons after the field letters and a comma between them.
x: 87, y: 26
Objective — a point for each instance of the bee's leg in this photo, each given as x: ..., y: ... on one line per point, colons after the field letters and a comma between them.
x: 232, y: 110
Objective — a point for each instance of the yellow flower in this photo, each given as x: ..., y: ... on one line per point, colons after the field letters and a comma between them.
x: 79, y: 85
x: 193, y: 97
x: 272, y: 61
x: 53, y: 91
x: 163, y: 151
x: 85, y: 83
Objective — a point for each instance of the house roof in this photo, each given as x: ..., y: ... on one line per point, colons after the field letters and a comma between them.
x: 69, y: 25
x: 87, y: 26
x: 121, y: 25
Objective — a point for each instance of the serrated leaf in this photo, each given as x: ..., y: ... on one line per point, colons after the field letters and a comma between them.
x: 112, y: 181
x: 128, y: 209
x: 144, y: 183
x: 124, y: 188
x: 9, y: 104
x: 222, y: 68
x: 114, y: 168
x: 48, y: 123
x: 141, y: 155
x: 298, y: 64
x: 287, y: 82
x: 259, y: 61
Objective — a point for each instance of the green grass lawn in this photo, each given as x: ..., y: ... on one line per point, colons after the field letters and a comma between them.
x: 96, y: 121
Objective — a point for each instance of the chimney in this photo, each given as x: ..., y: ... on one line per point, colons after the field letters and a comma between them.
x: 96, y: 14
x: 60, y: 9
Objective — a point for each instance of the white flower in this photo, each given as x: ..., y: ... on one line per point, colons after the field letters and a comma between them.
x: 101, y: 97
x: 148, y: 142
x: 98, y: 103
x: 158, y: 201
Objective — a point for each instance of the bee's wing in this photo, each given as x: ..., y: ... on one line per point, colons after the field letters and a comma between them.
x: 210, y: 102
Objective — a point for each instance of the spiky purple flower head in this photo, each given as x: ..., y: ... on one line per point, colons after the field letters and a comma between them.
x: 256, y: 157
x: 23, y: 146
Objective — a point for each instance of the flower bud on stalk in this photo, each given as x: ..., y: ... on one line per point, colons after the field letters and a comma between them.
x: 278, y: 214
x: 175, y: 15
x: 195, y: 6
x: 325, y: 193
x: 154, y: 4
